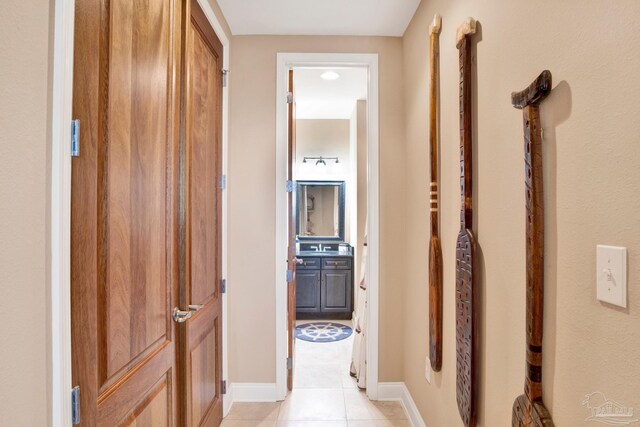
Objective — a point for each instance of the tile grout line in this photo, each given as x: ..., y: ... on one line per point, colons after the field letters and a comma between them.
x: 344, y: 402
x: 275, y: 424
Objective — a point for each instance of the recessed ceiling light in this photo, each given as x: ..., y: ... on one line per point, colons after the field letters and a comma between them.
x: 329, y: 75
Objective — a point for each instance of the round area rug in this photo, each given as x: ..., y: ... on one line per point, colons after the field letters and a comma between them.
x: 323, y: 332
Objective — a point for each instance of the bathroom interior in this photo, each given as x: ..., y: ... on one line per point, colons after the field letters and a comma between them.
x: 330, y: 186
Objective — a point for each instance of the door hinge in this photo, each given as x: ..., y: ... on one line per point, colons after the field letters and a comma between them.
x: 223, y: 286
x: 289, y: 186
x: 75, y: 138
x: 289, y: 97
x: 225, y: 78
x: 289, y: 276
x: 224, y: 387
x: 223, y: 182
x: 75, y: 405
x: 289, y: 363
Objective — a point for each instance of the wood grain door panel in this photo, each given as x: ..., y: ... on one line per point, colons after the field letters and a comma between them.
x: 135, y: 165
x: 147, y: 396
x: 204, y: 366
x: 203, y: 143
x: 124, y: 205
x: 154, y: 410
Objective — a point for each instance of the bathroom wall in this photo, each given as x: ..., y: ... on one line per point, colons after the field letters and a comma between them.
x: 592, y: 181
x: 327, y: 138
x: 251, y: 185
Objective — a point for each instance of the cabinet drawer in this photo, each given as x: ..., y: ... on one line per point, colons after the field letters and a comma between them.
x: 309, y: 264
x: 336, y: 263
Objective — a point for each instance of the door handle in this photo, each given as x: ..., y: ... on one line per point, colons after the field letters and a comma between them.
x: 298, y: 261
x: 181, y: 316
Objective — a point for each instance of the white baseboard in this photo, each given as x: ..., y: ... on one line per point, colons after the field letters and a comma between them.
x: 253, y: 392
x: 399, y: 392
x: 227, y: 401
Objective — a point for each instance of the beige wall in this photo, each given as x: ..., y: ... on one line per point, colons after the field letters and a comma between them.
x: 24, y: 71
x: 251, y: 187
x: 591, y: 152
x: 220, y: 16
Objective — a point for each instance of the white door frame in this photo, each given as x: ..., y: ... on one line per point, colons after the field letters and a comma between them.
x: 286, y: 61
x: 59, y: 241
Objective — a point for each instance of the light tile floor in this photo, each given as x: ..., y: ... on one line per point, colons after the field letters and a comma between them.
x: 324, y: 395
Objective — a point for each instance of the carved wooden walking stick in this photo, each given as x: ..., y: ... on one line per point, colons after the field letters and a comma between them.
x: 435, y: 250
x: 466, y: 291
x: 528, y: 409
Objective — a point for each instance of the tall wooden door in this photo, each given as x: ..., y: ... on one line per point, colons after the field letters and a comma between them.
x: 202, y: 213
x: 146, y: 212
x: 124, y: 227
x: 291, y: 252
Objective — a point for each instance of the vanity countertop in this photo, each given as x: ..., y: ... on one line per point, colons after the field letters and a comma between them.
x: 323, y: 250
x: 332, y: 254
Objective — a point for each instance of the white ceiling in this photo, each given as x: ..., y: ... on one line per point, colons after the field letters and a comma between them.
x: 319, y: 17
x: 328, y: 99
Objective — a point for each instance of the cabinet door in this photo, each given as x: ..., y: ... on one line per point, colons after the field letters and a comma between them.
x: 336, y: 291
x: 308, y: 291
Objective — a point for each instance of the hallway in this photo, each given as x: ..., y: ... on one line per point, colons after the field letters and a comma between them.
x: 347, y: 407
x: 148, y: 163
x: 323, y: 395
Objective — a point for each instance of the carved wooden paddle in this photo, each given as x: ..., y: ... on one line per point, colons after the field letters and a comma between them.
x: 528, y: 409
x: 435, y: 250
x: 466, y: 292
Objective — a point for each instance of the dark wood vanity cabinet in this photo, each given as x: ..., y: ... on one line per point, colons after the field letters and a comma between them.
x: 324, y: 287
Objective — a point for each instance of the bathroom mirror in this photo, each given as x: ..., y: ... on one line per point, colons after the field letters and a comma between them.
x: 320, y: 211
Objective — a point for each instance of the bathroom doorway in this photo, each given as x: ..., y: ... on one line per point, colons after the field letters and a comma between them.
x: 330, y: 165
x: 329, y: 225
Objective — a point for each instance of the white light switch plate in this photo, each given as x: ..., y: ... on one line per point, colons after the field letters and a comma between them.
x: 611, y: 271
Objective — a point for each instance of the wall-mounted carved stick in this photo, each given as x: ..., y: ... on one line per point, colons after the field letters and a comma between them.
x: 435, y: 249
x: 528, y: 409
x: 466, y: 290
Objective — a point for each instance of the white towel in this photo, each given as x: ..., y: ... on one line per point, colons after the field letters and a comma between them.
x: 359, y: 355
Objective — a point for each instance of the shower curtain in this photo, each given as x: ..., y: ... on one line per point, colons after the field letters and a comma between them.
x: 359, y: 356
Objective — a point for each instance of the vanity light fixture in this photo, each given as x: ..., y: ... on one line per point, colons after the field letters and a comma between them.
x: 320, y: 160
x: 329, y: 75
